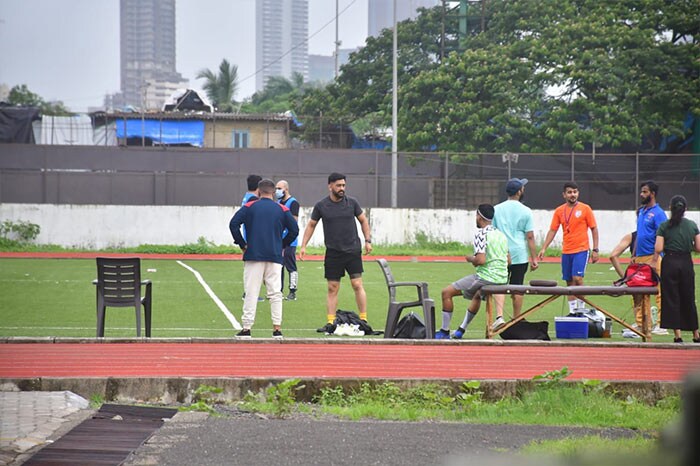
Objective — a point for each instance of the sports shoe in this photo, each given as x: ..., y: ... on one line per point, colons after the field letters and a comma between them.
x: 627, y: 333
x: 245, y: 333
x: 327, y: 329
x: 498, y: 323
x: 341, y: 330
x: 458, y: 334
x: 292, y: 296
x: 442, y: 334
x: 678, y: 340
x: 659, y: 331
x: 277, y: 334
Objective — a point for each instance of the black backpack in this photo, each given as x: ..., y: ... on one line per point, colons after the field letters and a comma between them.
x: 350, y: 317
x: 410, y: 326
x: 525, y: 330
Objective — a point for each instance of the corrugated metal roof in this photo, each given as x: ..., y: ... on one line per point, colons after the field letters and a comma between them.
x: 192, y: 116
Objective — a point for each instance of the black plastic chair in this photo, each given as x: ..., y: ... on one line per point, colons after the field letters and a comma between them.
x: 395, y: 307
x: 118, y: 284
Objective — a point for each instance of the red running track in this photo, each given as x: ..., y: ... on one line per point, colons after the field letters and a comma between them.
x: 288, y: 359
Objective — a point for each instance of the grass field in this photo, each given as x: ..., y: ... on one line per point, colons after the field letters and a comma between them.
x: 55, y: 297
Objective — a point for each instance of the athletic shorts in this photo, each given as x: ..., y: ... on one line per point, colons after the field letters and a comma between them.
x: 470, y: 285
x: 573, y: 265
x: 516, y: 273
x: 336, y: 263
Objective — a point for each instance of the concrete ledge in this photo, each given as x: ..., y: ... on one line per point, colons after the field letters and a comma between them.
x: 179, y: 390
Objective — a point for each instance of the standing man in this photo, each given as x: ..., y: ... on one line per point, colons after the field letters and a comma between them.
x: 290, y: 252
x: 575, y: 218
x: 250, y: 195
x: 649, y: 217
x: 491, y: 261
x: 265, y: 220
x: 514, y: 219
x: 343, y: 247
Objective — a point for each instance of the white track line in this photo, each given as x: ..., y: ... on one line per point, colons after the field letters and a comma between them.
x: 211, y: 294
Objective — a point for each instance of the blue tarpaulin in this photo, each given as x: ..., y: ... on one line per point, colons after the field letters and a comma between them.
x: 163, y: 132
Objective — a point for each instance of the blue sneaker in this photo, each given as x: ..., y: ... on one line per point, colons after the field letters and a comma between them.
x: 442, y: 334
x: 458, y: 334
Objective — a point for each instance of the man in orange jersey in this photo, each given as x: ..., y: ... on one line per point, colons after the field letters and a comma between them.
x: 575, y: 218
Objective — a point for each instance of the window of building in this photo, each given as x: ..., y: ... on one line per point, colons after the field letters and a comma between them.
x: 239, y: 139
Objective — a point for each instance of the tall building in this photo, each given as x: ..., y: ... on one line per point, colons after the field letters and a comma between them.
x: 380, y: 13
x: 281, y: 45
x: 147, y: 52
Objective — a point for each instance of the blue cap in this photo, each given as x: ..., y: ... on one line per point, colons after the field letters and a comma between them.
x: 514, y: 185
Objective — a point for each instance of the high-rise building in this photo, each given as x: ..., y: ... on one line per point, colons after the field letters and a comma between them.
x: 380, y: 13
x: 147, y: 51
x: 281, y: 45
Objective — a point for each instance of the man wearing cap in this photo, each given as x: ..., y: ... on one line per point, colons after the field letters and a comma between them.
x: 514, y: 219
x: 491, y: 260
x: 575, y: 218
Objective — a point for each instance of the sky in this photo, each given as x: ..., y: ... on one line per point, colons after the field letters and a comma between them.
x: 68, y: 50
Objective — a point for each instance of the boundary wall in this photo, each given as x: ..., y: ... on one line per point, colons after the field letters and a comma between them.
x: 104, y: 226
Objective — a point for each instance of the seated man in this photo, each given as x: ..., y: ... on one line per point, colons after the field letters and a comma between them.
x: 491, y: 260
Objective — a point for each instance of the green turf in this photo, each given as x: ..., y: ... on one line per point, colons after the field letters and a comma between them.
x: 55, y: 297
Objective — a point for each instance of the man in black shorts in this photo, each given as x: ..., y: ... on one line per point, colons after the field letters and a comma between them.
x: 343, y: 247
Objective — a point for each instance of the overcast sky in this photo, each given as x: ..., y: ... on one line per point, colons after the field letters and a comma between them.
x: 69, y: 49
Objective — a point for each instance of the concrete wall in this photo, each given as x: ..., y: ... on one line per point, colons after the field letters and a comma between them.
x: 101, y: 226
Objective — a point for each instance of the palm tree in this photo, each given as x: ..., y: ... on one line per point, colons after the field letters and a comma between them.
x: 221, y: 88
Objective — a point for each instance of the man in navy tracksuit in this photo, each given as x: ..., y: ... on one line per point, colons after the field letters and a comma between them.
x: 264, y: 221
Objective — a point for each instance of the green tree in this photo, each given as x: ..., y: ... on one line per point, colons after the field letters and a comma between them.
x: 278, y: 95
x: 221, y: 87
x: 20, y: 95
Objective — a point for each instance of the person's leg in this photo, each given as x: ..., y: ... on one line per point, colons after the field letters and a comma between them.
x: 355, y: 269
x: 252, y: 279
x: 642, y: 306
x: 290, y: 264
x: 272, y: 273
x: 332, y: 300
x: 448, y: 293
x: 334, y: 271
x: 567, y: 261
x: 516, y: 276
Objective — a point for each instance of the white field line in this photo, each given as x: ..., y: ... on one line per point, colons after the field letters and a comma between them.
x: 213, y: 296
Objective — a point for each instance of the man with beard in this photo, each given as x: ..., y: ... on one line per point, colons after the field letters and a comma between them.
x: 575, y: 218
x: 649, y: 217
x: 343, y: 247
x: 514, y: 219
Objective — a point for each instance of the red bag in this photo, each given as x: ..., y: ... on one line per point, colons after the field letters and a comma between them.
x: 639, y: 275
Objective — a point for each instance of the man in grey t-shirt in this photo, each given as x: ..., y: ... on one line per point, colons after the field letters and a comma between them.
x: 343, y: 247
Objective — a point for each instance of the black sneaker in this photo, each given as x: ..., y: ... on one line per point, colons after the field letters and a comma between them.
x: 292, y: 296
x: 327, y: 329
x: 277, y: 334
x: 245, y: 333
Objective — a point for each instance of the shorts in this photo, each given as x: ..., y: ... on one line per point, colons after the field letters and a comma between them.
x: 336, y: 263
x: 516, y: 273
x: 573, y: 265
x: 470, y: 285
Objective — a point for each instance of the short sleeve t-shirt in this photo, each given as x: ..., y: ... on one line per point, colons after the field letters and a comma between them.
x: 339, y: 224
x: 514, y: 219
x: 680, y: 238
x: 575, y: 221
x: 494, y: 244
x: 648, y: 221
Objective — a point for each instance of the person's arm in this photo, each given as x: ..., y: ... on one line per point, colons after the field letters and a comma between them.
x: 308, y: 232
x: 697, y: 243
x: 594, y: 252
x: 364, y: 224
x: 477, y: 259
x: 548, y: 239
x: 530, y: 236
x: 659, y: 248
x: 617, y: 252
x: 291, y: 228
x: 235, y: 227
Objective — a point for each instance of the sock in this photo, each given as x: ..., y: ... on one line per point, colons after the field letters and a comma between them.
x: 330, y: 318
x: 363, y: 316
x: 468, y: 318
x: 580, y: 304
x: 446, y: 319
x: 573, y: 304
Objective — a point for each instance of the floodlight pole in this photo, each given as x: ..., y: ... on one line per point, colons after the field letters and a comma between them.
x: 394, y: 124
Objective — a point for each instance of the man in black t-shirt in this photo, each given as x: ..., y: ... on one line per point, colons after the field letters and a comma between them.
x: 343, y: 247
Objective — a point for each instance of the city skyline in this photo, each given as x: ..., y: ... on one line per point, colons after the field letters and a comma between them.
x: 72, y: 51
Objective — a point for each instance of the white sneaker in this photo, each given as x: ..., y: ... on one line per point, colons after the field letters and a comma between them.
x: 498, y: 323
x: 354, y: 331
x: 341, y: 330
x: 659, y: 331
x: 627, y: 333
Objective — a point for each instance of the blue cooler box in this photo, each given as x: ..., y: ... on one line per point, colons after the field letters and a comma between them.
x: 571, y: 327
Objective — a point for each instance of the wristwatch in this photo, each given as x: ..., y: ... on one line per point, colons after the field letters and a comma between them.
x: 594, y: 249
x: 368, y: 241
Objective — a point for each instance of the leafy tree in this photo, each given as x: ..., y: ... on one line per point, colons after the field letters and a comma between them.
x: 544, y: 75
x: 221, y: 87
x: 20, y: 95
x: 278, y: 94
